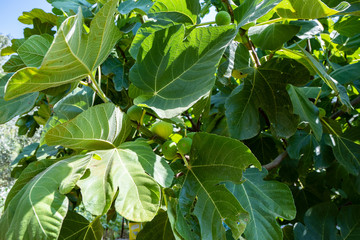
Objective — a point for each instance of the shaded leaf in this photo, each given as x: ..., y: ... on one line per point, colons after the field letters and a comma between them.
x: 272, y: 36
x: 264, y: 88
x: 39, y: 208
x: 73, y: 6
x: 175, y: 73
x: 27, y: 151
x: 129, y: 5
x: 306, y: 110
x: 331, y: 82
x: 114, y: 66
x: 265, y: 201
x: 72, y: 54
x: 349, y: 222
x: 320, y: 223
x: 347, y: 74
x: 14, y: 107
x: 77, y: 227
x: 120, y: 170
x: 159, y: 228
x: 101, y: 127
x: 207, y: 168
x: 346, y: 152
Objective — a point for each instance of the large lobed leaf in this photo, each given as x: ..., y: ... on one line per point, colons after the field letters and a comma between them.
x: 72, y: 56
x: 214, y: 160
x: 265, y: 201
x: 39, y: 208
x: 101, y: 127
x: 175, y: 72
x: 265, y: 88
x: 79, y: 100
x: 121, y: 169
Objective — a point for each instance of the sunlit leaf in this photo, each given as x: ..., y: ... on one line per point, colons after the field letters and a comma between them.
x: 72, y: 56
x: 101, y: 127
x: 39, y: 208
x: 175, y: 73
x: 120, y: 169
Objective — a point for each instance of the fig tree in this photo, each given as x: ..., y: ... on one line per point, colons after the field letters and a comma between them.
x: 184, y: 145
x: 169, y: 150
x: 162, y: 129
x: 222, y: 18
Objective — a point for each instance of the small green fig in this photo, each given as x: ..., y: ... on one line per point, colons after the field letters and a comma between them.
x: 184, y: 145
x: 322, y: 112
x: 162, y: 129
x: 135, y: 113
x: 169, y: 150
x: 222, y: 18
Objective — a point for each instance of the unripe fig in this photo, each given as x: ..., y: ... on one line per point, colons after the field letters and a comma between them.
x: 169, y: 150
x: 322, y: 112
x: 222, y: 18
x: 162, y: 129
x: 135, y: 113
x: 184, y: 145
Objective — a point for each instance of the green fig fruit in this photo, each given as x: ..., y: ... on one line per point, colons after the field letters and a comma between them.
x: 135, y: 113
x: 222, y: 18
x: 184, y: 145
x: 162, y: 129
x: 169, y: 150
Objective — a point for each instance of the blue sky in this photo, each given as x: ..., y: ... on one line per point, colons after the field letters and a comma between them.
x: 10, y: 10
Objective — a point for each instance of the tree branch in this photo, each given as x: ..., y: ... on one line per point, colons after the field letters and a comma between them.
x: 230, y: 10
x: 354, y: 102
x: 276, y: 161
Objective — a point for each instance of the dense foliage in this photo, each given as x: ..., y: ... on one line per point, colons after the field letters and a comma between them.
x: 266, y: 107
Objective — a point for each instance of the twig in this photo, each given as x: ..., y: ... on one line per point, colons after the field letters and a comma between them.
x: 276, y: 161
x: 250, y: 46
x: 340, y: 112
x: 230, y: 10
x: 122, y: 227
